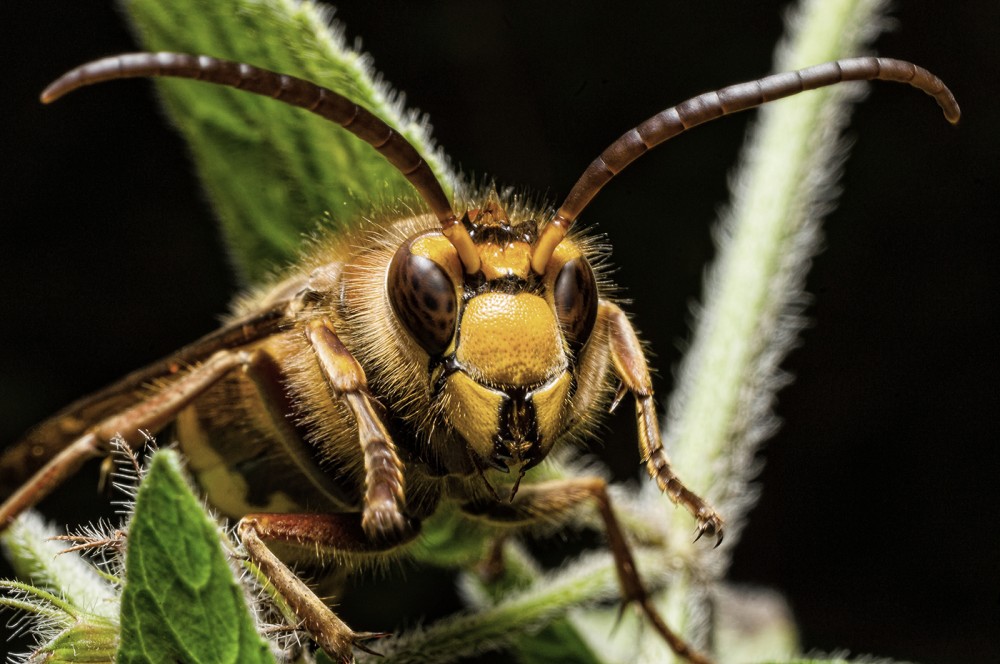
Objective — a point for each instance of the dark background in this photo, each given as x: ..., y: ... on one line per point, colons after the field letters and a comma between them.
x: 879, y: 507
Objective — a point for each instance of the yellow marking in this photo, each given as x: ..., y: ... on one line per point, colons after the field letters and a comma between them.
x: 550, y: 406
x: 510, y: 340
x: 225, y: 491
x: 437, y: 248
x: 199, y: 455
x: 476, y: 411
x: 511, y: 259
x: 564, y: 253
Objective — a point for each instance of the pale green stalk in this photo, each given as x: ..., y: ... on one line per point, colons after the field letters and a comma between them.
x: 68, y: 607
x: 588, y: 580
x: 753, y: 298
x: 721, y: 408
x: 29, y: 547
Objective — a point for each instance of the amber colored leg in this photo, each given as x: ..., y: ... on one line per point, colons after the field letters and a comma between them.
x: 151, y: 414
x: 384, y: 483
x: 558, y: 500
x: 630, y: 365
x: 331, y: 534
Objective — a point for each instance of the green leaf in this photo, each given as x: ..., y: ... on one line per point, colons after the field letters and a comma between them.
x: 447, y: 539
x: 62, y: 631
x: 181, y: 601
x: 88, y: 642
x: 72, y: 609
x: 61, y: 635
x: 273, y: 171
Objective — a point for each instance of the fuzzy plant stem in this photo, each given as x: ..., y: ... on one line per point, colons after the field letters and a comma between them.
x: 582, y: 583
x: 720, y: 410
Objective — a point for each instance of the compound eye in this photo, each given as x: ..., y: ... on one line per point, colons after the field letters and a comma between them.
x: 576, y: 301
x: 423, y: 298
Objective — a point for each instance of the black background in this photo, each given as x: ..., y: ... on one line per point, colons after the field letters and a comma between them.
x: 879, y: 508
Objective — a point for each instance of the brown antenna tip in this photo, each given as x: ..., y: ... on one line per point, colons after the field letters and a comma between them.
x: 711, y: 105
x: 293, y: 91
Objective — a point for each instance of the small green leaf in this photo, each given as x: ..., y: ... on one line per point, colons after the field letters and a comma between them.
x: 272, y: 171
x: 62, y: 632
x: 88, y: 642
x: 72, y: 609
x: 447, y: 539
x: 181, y: 601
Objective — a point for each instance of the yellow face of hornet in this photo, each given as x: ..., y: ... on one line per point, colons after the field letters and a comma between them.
x: 502, y: 343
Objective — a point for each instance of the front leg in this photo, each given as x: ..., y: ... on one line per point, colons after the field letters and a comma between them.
x: 630, y: 365
x: 382, y: 514
x: 319, y: 535
x: 556, y: 502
